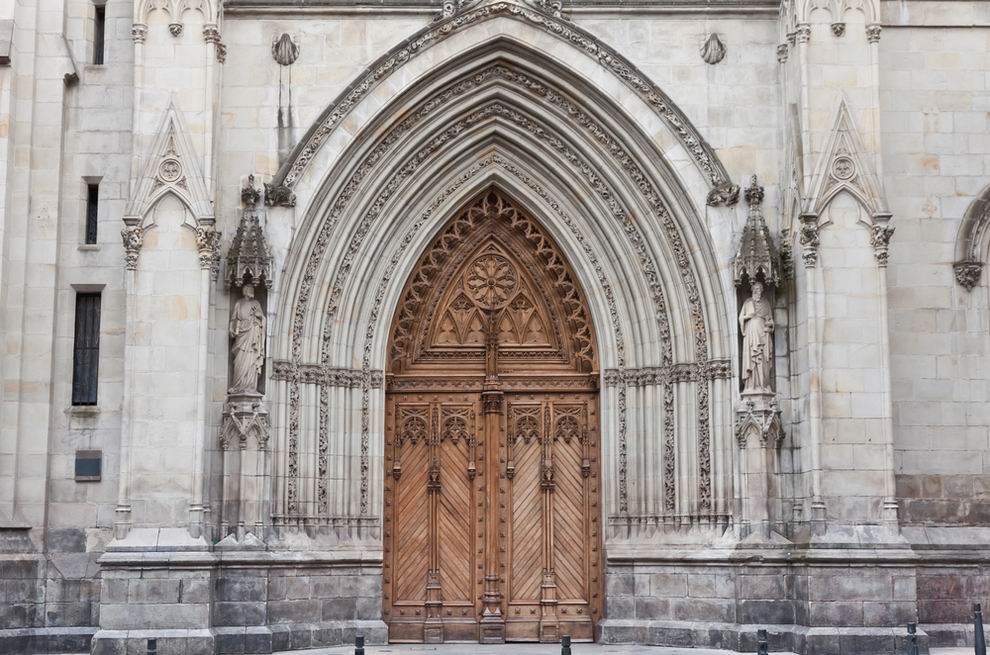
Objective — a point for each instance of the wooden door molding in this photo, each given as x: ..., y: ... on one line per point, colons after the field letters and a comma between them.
x: 492, y: 527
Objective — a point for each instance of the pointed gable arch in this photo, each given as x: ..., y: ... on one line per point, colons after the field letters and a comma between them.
x: 171, y: 168
x: 845, y: 166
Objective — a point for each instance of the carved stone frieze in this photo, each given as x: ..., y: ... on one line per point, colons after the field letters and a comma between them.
x: 968, y: 273
x: 550, y: 23
x: 680, y: 373
x: 133, y: 238
x: 329, y: 376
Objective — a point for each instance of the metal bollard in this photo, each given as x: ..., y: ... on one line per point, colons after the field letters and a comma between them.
x: 565, y: 645
x: 979, y: 639
x: 359, y: 645
x: 912, y: 631
x: 762, y: 645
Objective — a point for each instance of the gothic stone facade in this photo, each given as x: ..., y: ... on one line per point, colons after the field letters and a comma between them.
x: 159, y: 156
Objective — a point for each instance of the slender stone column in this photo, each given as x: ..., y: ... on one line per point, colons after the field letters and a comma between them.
x: 492, y: 398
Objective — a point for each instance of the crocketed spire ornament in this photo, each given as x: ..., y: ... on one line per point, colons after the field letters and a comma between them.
x: 757, y: 257
x: 249, y: 260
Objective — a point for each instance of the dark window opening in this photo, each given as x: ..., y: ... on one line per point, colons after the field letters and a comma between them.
x: 92, y: 211
x: 86, y: 349
x: 89, y: 465
x: 98, y: 32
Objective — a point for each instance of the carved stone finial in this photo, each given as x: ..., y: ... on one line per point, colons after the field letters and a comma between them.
x: 713, y: 50
x: 838, y: 28
x: 968, y: 273
x: 278, y: 195
x: 250, y: 195
x: 285, y: 50
x: 133, y: 238
x: 723, y: 194
x: 249, y: 260
x: 757, y: 257
x: 139, y: 32
x: 880, y: 240
x: 783, y: 50
x: 873, y: 32
x: 208, y: 244
x: 809, y: 240
x: 175, y: 29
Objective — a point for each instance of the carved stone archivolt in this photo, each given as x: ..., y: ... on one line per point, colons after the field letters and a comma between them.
x: 971, y: 242
x: 338, y: 210
x: 463, y: 15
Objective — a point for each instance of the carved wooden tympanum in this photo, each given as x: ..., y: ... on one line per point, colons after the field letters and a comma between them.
x: 492, y: 519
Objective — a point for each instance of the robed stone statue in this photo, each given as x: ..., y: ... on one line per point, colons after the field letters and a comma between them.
x: 247, y: 335
x: 756, y: 326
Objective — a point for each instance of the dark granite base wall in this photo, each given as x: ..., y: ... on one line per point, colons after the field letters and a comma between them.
x: 807, y: 609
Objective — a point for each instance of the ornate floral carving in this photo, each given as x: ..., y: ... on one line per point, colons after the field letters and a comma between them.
x: 208, y: 245
x: 430, y: 36
x: 713, y: 50
x: 968, y: 273
x: 880, y: 234
x: 133, y: 237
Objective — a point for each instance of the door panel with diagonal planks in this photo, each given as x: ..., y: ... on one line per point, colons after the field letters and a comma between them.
x: 492, y: 528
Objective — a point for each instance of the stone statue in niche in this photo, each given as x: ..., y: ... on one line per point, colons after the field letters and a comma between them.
x: 247, y: 335
x: 756, y: 326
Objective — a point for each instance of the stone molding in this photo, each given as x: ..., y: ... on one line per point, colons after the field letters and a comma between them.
x: 329, y: 376
x: 680, y: 373
x: 704, y: 156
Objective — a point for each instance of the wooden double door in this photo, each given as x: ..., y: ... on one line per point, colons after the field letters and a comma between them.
x: 492, y: 518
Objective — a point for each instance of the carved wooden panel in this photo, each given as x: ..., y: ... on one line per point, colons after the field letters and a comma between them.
x: 492, y: 378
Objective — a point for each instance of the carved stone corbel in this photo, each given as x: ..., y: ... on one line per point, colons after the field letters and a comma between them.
x: 803, y: 33
x: 760, y: 418
x: 723, y: 194
x: 208, y: 244
x: 139, y: 32
x: 809, y: 240
x: 838, y: 28
x: 880, y: 235
x: 873, y: 32
x: 175, y: 29
x: 968, y: 273
x: 133, y: 238
x: 278, y: 195
x: 783, y: 50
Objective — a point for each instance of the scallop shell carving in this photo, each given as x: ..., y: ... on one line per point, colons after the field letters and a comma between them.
x: 713, y: 51
x: 285, y: 51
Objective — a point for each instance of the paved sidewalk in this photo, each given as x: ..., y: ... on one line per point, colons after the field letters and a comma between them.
x: 551, y: 649
x: 516, y: 649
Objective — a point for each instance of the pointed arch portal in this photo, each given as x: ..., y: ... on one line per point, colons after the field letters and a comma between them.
x: 503, y: 199
x: 491, y: 439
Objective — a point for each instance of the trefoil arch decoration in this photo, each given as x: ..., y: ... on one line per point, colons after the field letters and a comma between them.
x: 971, y: 242
x: 723, y: 191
